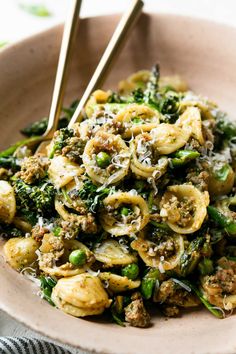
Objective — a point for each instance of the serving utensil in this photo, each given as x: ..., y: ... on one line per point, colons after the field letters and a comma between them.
x: 117, y: 40
x: 68, y: 37
x: 111, y: 52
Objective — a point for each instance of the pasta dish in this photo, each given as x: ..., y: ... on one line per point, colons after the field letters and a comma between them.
x: 130, y: 211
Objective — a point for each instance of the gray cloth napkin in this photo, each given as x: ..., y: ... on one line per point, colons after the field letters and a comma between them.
x: 24, y: 345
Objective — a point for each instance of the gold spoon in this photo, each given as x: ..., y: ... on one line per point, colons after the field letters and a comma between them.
x: 118, y: 38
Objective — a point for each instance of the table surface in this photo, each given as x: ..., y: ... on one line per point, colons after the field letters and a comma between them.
x: 25, y: 24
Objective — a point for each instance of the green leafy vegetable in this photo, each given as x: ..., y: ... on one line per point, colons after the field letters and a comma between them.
x: 8, y: 231
x: 92, y: 195
x: 224, y: 126
x: 10, y: 162
x: 36, y: 10
x: 34, y: 199
x: 117, y: 310
x: 38, y: 128
x: 47, y: 284
x: 60, y: 140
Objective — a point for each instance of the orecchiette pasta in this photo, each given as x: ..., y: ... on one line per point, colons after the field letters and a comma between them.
x: 191, y: 120
x: 81, y: 295
x: 113, y: 253
x: 54, y: 256
x: 141, y: 78
x: 117, y: 156
x: 136, y: 119
x: 184, y: 208
x: 164, y: 256
x: 117, y: 283
x: 62, y: 171
x: 168, y: 138
x: 98, y: 97
x: 138, y: 79
x: 21, y: 252
x: 7, y: 202
x: 118, y: 224
x: 145, y: 159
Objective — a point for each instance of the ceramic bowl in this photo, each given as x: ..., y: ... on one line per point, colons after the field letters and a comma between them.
x: 204, y: 54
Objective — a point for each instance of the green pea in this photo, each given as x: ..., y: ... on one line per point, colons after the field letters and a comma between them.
x: 147, y: 286
x: 56, y: 231
x: 77, y: 257
x: 125, y: 211
x: 131, y: 271
x: 103, y: 159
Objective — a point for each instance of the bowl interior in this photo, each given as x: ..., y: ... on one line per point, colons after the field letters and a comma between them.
x: 204, y: 54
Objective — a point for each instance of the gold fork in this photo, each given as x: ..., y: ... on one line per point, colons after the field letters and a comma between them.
x: 118, y: 38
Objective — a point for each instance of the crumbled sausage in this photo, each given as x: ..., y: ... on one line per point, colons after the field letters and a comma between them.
x: 136, y: 314
x: 223, y: 282
x: 33, y: 168
x: 172, y: 293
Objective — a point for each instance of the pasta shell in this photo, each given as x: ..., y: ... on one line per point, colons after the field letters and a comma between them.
x: 168, y: 138
x: 7, y: 202
x: 117, y: 283
x: 191, y: 120
x: 118, y: 225
x: 174, y: 81
x: 20, y: 252
x: 62, y: 171
x: 112, y: 253
x: 54, y: 256
x: 219, y: 187
x: 144, y: 162
x: 184, y: 208
x: 138, y: 79
x: 120, y: 158
x: 97, y: 97
x: 81, y: 295
x: 148, y: 251
x: 137, y: 118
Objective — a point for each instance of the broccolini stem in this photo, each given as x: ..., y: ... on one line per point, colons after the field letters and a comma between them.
x: 182, y: 157
x: 217, y: 313
x: 227, y: 223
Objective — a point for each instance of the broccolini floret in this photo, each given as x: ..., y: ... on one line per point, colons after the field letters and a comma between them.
x: 92, y: 195
x: 39, y: 127
x: 34, y: 199
x: 8, y: 231
x: 10, y: 162
x: 60, y: 140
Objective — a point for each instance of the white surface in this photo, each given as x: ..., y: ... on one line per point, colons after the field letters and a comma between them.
x: 16, y: 24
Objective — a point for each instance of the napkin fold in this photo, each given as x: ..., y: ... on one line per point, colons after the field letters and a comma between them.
x: 24, y: 345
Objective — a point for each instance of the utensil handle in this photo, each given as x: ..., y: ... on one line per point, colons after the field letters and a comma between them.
x: 62, y: 68
x: 110, y: 53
